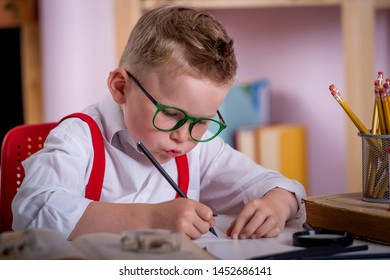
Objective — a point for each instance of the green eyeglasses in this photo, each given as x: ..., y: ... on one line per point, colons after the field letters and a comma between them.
x: 168, y: 118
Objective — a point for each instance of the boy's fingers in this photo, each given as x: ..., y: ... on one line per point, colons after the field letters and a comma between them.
x: 255, y: 223
x: 239, y: 223
x: 269, y: 228
x: 204, y: 212
x: 201, y: 226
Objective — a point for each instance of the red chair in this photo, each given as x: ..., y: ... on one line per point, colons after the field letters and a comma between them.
x: 18, y: 144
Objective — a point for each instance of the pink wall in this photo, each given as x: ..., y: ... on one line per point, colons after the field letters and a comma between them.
x: 298, y: 49
x: 78, y: 45
x: 383, y: 41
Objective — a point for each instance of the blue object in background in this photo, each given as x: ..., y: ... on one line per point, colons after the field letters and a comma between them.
x: 246, y: 104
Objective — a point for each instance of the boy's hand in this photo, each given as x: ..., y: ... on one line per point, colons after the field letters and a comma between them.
x: 265, y: 217
x: 185, y: 215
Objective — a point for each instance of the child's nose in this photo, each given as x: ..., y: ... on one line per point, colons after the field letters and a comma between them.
x: 181, y: 134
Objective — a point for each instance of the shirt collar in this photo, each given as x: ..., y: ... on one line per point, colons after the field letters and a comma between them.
x: 112, y: 117
x: 114, y: 125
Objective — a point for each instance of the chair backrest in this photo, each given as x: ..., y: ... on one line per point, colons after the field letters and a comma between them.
x: 18, y: 144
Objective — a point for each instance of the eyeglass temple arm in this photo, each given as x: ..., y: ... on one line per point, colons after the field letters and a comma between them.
x: 153, y: 100
x: 142, y: 88
x: 220, y: 117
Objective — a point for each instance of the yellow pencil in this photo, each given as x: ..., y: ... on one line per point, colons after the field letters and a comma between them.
x: 371, y: 167
x: 337, y: 95
x: 386, y: 89
x: 380, y: 79
x: 386, y: 108
x: 375, y: 120
x: 381, y: 113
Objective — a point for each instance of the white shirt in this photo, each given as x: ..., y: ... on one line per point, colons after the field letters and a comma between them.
x: 53, y: 190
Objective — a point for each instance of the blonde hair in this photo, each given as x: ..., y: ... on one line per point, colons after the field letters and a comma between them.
x: 190, y: 38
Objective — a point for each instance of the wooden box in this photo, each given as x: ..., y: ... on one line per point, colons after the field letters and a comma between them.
x: 348, y: 212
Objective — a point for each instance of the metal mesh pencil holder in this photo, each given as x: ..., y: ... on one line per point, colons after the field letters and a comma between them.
x: 375, y: 167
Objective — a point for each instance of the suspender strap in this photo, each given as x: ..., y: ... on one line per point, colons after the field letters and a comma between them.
x: 183, y: 176
x: 95, y: 183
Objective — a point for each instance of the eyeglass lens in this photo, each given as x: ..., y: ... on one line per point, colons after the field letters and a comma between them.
x: 171, y: 118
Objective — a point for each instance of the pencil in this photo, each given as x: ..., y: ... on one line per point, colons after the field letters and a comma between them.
x: 337, y: 95
x: 380, y: 79
x: 165, y: 174
x: 386, y: 108
x: 379, y: 101
x: 371, y: 167
x: 375, y: 120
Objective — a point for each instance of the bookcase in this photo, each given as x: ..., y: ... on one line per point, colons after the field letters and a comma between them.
x: 23, y: 14
x: 358, y: 32
x: 20, y: 75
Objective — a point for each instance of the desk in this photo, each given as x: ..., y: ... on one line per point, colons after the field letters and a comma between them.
x: 229, y: 249
x: 45, y: 244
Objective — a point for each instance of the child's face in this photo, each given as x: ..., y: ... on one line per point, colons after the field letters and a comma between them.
x: 197, y: 97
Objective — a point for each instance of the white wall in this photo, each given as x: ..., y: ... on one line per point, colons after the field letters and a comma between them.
x: 78, y: 46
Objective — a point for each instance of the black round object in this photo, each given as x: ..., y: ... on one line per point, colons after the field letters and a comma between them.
x: 311, y: 238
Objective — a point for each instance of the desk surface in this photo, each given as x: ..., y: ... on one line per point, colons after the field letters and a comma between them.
x: 49, y: 244
x: 225, y: 248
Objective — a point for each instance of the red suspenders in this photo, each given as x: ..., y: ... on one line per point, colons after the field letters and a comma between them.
x: 183, y: 174
x: 95, y: 183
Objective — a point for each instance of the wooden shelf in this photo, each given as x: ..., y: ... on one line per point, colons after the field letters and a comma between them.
x: 23, y: 14
x: 237, y: 4
x: 14, y: 13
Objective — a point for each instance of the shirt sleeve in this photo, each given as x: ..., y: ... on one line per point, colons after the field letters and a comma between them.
x: 229, y: 179
x: 53, y: 189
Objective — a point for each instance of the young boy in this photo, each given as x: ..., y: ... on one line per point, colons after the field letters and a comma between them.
x: 178, y: 64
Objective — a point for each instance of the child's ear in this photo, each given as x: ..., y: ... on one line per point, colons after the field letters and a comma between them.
x: 116, y: 83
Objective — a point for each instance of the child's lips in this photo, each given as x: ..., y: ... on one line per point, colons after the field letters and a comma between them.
x: 172, y: 153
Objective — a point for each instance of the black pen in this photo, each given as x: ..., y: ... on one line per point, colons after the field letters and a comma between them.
x: 145, y: 151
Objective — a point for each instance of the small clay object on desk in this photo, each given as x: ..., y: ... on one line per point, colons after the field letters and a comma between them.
x: 151, y: 241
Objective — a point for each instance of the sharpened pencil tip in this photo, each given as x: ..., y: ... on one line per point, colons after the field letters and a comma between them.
x: 212, y: 230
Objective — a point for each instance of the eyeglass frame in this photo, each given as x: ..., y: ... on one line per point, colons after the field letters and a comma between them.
x: 193, y: 120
